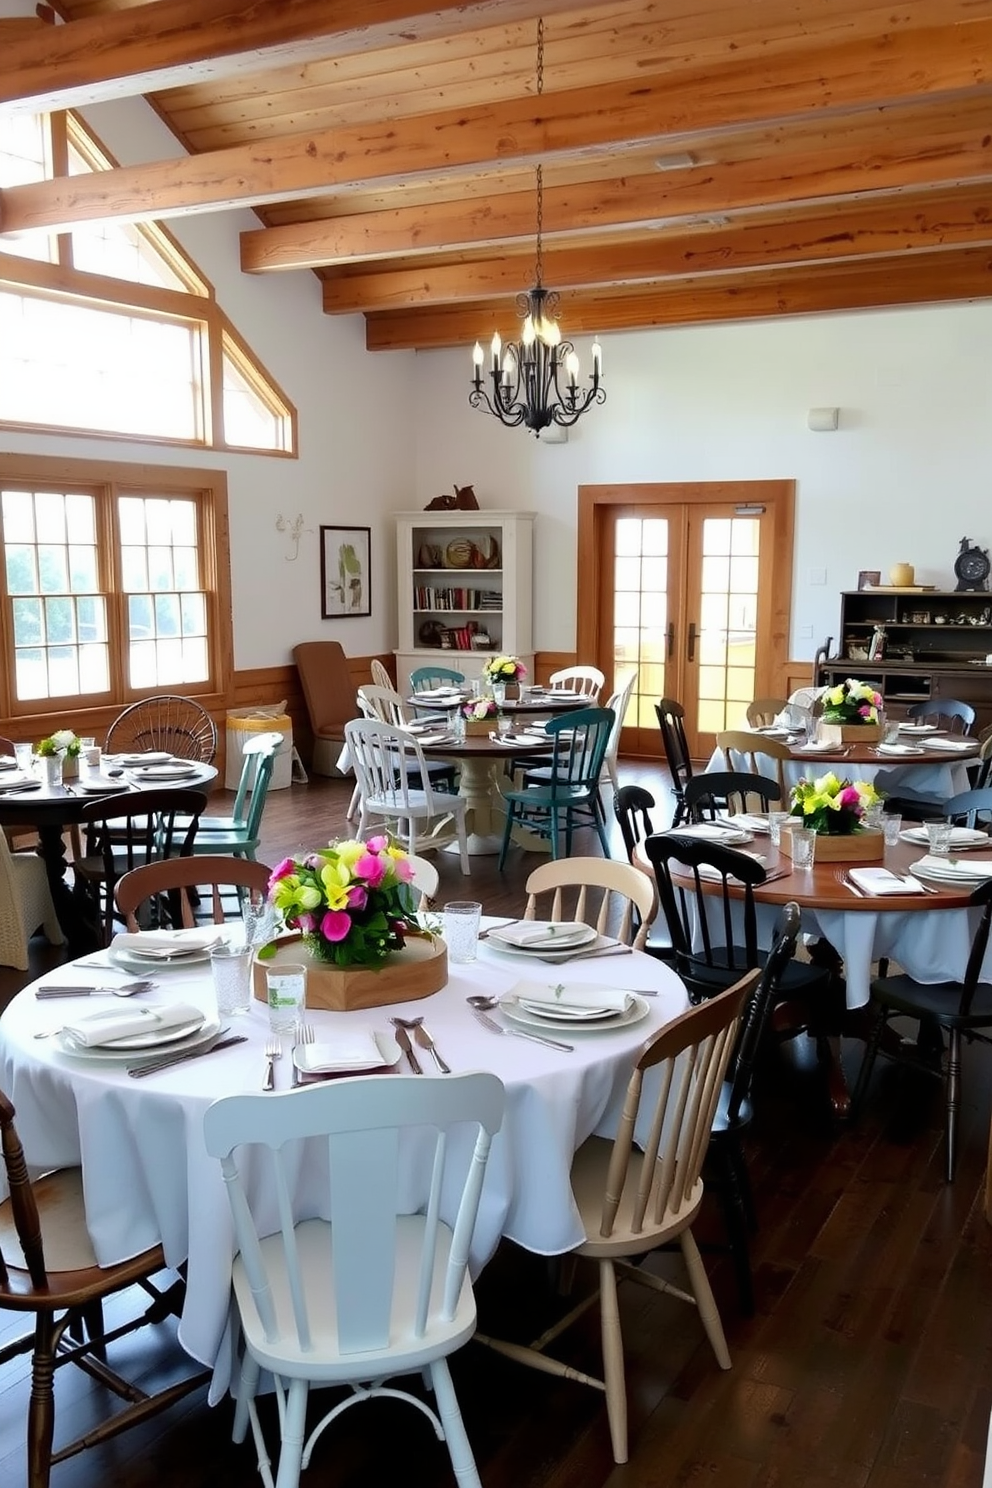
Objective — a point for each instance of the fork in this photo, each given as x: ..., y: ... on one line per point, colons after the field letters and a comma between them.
x: 273, y: 1051
x: 535, y: 1038
x: 305, y: 1034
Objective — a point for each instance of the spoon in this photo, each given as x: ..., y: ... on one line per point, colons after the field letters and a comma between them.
x: 126, y: 989
x: 415, y: 1026
x: 482, y: 1003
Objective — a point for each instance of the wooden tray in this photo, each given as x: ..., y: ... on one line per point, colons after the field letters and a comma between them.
x: 419, y: 969
x: 856, y: 847
x: 849, y: 733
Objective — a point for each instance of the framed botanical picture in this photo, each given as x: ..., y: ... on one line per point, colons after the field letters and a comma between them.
x: 869, y: 578
x: 345, y: 572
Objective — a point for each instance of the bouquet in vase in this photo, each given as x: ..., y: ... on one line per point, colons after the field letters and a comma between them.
x: 835, y: 807
x: 504, y: 669
x: 851, y: 702
x: 351, y: 900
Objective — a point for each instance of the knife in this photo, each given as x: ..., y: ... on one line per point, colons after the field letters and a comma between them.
x: 136, y: 1071
x: 612, y: 950
x: 426, y: 1042
x: 403, y: 1039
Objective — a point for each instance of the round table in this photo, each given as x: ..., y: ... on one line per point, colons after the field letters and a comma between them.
x: 146, y: 1175
x: 935, y: 773
x: 49, y: 811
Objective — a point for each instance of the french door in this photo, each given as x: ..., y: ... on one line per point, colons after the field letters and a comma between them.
x: 689, y: 592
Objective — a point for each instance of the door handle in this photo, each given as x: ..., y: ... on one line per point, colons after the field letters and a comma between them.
x: 691, y: 642
x: 671, y: 640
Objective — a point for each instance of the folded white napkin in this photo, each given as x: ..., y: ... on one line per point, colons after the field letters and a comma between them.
x: 428, y: 739
x: 549, y: 999
x: 20, y: 782
x: 355, y: 1048
x: 954, y: 745
x: 715, y: 831
x: 545, y: 933
x: 902, y: 748
x: 713, y: 875
x: 127, y: 1022
x: 751, y: 821
x: 165, y: 945
x: 973, y: 868
x: 881, y: 881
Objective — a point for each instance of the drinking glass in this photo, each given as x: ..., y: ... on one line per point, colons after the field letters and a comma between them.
x: 891, y: 827
x: 776, y: 821
x: 24, y: 754
x: 259, y: 920
x: 875, y: 815
x: 803, y: 846
x: 461, y: 929
x: 286, y: 995
x: 939, y: 834
x: 231, y: 968
x: 51, y: 770
x: 890, y: 734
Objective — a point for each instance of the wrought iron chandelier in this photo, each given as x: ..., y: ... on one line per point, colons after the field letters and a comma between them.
x: 535, y: 381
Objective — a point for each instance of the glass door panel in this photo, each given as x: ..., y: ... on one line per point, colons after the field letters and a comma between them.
x: 644, y: 599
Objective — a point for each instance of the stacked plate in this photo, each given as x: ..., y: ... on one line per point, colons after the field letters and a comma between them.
x: 351, y: 1052
x: 900, y: 749
x: 174, y: 770
x: 952, y: 872
x: 542, y: 937
x: 19, y: 782
x: 579, y: 1009
x: 117, y: 1033
x: 100, y: 785
x: 963, y: 839
x: 147, y: 757
x: 919, y: 728
x: 162, y: 948
x: 721, y: 832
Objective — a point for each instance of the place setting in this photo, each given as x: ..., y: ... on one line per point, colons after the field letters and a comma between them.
x: 15, y: 784
x: 571, y: 1009
x: 352, y: 1051
x: 166, y: 770
x: 122, y: 1033
x: 949, y: 871
x: 139, y: 950
x: 723, y: 831
x: 552, y: 941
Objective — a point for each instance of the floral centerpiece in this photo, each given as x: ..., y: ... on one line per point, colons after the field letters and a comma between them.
x: 63, y: 742
x: 832, y: 806
x: 504, y: 669
x: 851, y: 702
x: 479, y: 715
x: 351, y: 901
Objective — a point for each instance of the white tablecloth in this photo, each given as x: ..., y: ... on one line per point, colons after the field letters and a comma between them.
x: 936, y: 781
x: 147, y: 1177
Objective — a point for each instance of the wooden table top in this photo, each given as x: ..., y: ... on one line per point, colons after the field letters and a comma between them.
x: 869, y: 754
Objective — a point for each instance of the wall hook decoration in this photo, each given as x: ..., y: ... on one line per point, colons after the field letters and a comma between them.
x: 296, y: 529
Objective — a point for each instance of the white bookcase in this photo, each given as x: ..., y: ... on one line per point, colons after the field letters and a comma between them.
x: 463, y: 576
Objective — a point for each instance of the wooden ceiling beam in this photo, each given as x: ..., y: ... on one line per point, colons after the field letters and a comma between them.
x: 906, y: 223
x: 175, y: 43
x: 915, y: 279
x: 670, y: 107
x: 786, y: 167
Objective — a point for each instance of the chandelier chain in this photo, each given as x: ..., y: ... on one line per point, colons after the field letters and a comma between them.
x: 539, y: 173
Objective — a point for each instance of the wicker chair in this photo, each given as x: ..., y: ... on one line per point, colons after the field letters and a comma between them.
x: 177, y: 724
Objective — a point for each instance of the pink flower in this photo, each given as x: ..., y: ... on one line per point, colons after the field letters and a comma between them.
x: 849, y: 797
x: 306, y: 922
x: 377, y: 844
x: 403, y: 870
x: 357, y: 897
x: 372, y: 868
x: 336, y: 925
x: 281, y: 870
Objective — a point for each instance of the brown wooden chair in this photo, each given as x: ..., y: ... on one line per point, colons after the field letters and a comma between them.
x: 48, y: 1269
x: 764, y: 711
x: 671, y: 722
x: 631, y: 1201
x: 175, y: 884
x: 125, y: 832
x: 177, y: 724
x: 744, y: 751
x: 330, y: 698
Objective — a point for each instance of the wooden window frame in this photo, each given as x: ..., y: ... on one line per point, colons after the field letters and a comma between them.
x: 107, y: 481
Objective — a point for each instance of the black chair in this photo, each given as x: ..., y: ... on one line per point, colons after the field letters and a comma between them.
x: 971, y: 808
x: 711, y: 952
x: 125, y: 832
x: 947, y: 713
x: 915, y: 806
x: 726, y: 1165
x: 631, y: 804
x: 570, y: 797
x: 722, y: 791
x: 671, y: 721
x: 957, y: 1008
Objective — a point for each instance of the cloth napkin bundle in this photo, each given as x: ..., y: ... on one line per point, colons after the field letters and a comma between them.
x: 165, y: 945
x: 570, y: 1002
x: 968, y: 868
x: 128, y: 1022
x: 881, y: 881
x: 544, y: 933
x: 954, y: 746
x: 355, y: 1048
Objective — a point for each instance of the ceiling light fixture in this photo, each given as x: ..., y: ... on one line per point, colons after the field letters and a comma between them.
x: 535, y: 380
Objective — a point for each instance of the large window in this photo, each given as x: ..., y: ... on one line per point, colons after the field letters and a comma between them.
x: 112, y: 329
x: 113, y: 582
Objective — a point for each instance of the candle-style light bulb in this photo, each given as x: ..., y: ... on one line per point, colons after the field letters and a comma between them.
x: 572, y: 368
x: 597, y: 361
x: 495, y: 349
x: 477, y: 356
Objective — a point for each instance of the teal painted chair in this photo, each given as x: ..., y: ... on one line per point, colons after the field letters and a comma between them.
x: 435, y: 676
x: 570, y: 796
x: 238, y: 834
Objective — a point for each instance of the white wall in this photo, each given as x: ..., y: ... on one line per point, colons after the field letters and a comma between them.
x: 354, y: 465
x: 903, y: 479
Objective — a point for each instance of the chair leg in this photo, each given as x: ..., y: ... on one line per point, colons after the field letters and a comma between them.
x: 867, y: 1063
x: 705, y: 1301
x: 41, y: 1408
x: 459, y: 1448
x: 735, y: 1219
x: 953, y: 1092
x: 507, y: 829
x: 613, y: 1370
x: 294, y: 1425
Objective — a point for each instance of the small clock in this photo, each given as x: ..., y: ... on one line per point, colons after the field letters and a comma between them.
x: 972, y: 566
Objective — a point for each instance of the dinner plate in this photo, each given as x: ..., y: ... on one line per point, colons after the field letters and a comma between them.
x: 817, y: 748
x: 963, y: 839
x: 102, y: 787
x: 164, y: 772
x: 151, y: 757
x: 716, y: 832
x: 202, y: 1034
x: 21, y: 783
x: 919, y: 728
x: 968, y: 876
x: 900, y: 749
x: 510, y: 1005
x: 327, y: 1058
x: 7, y: 762
x: 560, y: 936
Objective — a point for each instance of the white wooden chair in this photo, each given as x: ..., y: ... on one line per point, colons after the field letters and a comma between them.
x: 425, y: 881
x: 380, y: 677
x: 631, y: 1200
x: 25, y: 905
x: 619, y: 890
x: 588, y: 680
x: 395, y: 788
x: 619, y: 702
x: 369, y: 1292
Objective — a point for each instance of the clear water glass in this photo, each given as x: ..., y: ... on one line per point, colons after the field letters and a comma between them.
x: 286, y: 995
x: 891, y: 827
x: 259, y: 920
x: 874, y: 816
x: 460, y: 921
x: 231, y: 968
x: 24, y: 754
x: 939, y: 836
x: 776, y: 821
x: 803, y: 846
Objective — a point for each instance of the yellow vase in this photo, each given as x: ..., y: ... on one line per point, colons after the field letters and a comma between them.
x: 902, y: 575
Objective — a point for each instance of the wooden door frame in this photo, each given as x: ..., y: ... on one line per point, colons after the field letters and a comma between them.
x: 775, y: 607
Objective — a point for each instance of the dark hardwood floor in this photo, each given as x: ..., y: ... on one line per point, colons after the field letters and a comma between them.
x: 866, y: 1365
